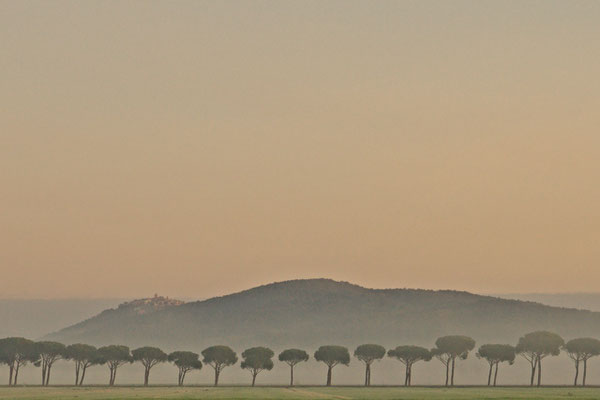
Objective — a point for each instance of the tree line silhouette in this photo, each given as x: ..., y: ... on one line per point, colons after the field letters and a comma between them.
x: 17, y: 352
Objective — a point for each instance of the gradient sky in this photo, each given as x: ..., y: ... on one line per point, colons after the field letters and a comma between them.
x: 198, y: 148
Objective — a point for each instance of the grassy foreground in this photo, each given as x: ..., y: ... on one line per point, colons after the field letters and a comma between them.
x: 31, y: 393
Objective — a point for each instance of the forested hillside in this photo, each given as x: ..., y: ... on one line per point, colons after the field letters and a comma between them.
x: 316, y: 311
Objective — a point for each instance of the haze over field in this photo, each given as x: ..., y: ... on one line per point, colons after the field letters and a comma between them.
x: 197, y: 148
x: 35, y: 318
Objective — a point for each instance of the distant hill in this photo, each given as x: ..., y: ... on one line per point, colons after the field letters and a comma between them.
x: 583, y: 301
x: 317, y: 311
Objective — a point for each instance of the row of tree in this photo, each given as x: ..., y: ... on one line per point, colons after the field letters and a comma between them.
x: 534, y: 347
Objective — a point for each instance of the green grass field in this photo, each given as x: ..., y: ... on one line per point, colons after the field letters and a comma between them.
x: 383, y: 393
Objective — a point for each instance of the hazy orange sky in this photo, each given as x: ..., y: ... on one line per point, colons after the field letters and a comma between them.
x: 198, y: 148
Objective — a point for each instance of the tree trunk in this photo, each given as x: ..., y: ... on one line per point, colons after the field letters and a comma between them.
x: 329, y: 375
x: 146, y: 375
x: 82, y: 375
x: 48, y: 369
x: 216, y: 377
x: 576, y: 372
x: 10, y: 376
x: 43, y: 373
x: 584, y: 372
x: 496, y: 373
x: 490, y: 374
x: 77, y: 366
x: 253, y: 378
x: 406, y: 375
x: 410, y: 375
x: 367, y: 365
x: 452, y: 378
x: 16, y: 375
x: 447, y: 371
x: 183, y: 377
x: 291, y: 375
x: 533, y: 365
x: 539, y: 381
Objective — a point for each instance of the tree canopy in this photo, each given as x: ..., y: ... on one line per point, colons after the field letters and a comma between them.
x: 368, y: 353
x: 456, y: 346
x: 81, y: 352
x: 583, y: 348
x: 408, y: 355
x: 257, y: 359
x: 497, y: 353
x: 293, y: 356
x: 185, y: 361
x: 149, y: 355
x: 543, y: 343
x: 219, y: 357
x: 332, y: 355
